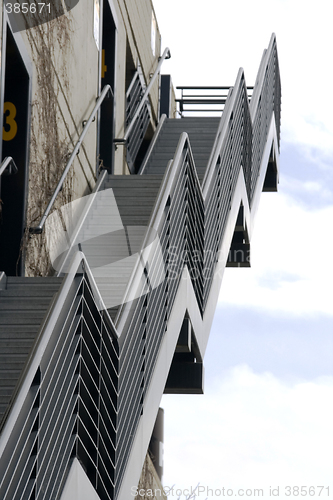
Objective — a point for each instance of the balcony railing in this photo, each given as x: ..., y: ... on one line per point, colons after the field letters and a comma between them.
x: 206, y: 100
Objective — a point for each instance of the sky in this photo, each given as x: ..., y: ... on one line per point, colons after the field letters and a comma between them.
x: 265, y: 420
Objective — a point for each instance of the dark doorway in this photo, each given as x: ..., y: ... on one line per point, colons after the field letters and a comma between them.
x: 16, y: 119
x: 107, y: 77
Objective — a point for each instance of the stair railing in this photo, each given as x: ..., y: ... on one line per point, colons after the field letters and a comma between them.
x: 39, y: 229
x: 166, y: 55
x: 8, y: 162
x: 180, y: 198
x: 171, y: 178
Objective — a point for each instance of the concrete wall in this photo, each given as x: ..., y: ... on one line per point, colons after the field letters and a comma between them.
x: 149, y: 487
x: 65, y: 84
x: 64, y: 90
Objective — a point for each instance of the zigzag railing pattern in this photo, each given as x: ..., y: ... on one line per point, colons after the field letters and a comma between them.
x: 104, y: 373
x: 190, y: 221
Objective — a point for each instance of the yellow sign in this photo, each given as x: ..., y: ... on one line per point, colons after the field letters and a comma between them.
x: 9, y: 108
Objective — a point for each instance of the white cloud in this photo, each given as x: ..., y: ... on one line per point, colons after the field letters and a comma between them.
x: 292, y: 268
x: 250, y: 431
x: 315, y: 188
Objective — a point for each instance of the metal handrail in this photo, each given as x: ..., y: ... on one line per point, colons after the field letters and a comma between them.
x: 59, y: 360
x: 39, y: 229
x: 166, y: 55
x: 8, y: 162
x: 221, y: 132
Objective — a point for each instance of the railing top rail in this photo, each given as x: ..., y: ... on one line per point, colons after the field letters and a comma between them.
x: 261, y: 75
x: 8, y: 162
x: 222, y: 130
x: 133, y: 82
x: 39, y: 229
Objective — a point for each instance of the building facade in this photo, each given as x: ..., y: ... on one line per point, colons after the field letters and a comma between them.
x: 118, y: 219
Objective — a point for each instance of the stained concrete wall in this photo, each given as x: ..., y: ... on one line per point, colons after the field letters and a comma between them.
x: 64, y: 90
x: 149, y: 487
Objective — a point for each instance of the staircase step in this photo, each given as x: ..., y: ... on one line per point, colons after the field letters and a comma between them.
x: 12, y: 363
x: 8, y: 348
x: 28, y: 318
x: 6, y: 391
x: 48, y: 280
x: 27, y: 291
x: 18, y: 332
x: 24, y: 303
x: 9, y: 377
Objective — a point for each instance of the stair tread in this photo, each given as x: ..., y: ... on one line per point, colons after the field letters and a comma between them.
x: 201, y: 132
x: 23, y: 306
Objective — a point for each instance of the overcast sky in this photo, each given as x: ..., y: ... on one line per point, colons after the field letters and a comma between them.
x: 265, y: 420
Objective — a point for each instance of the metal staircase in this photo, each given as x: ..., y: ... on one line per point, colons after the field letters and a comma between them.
x: 99, y: 363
